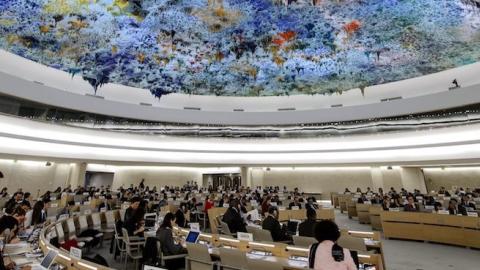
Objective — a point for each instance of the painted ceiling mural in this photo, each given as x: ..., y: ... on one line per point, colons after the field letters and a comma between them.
x: 243, y: 47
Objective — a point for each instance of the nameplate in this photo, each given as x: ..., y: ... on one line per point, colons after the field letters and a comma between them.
x: 54, y: 205
x: 367, y: 202
x: 419, y: 197
x: 282, y: 208
x: 87, y: 212
x: 195, y: 227
x: 254, y: 203
x: 245, y: 236
x: 476, y: 199
x: 446, y: 198
x: 170, y: 199
x: 443, y: 212
x: 103, y: 209
x: 226, y: 205
x: 429, y: 207
x: 148, y: 267
x: 64, y: 216
x: 394, y: 209
x: 76, y: 253
x: 53, y: 198
x: 472, y: 214
x: 78, y: 203
x: 86, y: 194
x: 102, y: 197
x: 273, y: 204
x: 125, y: 206
x: 295, y: 208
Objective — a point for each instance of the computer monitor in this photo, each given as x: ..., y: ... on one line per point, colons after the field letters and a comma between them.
x: 48, y: 259
x: 192, y: 237
x: 292, y: 226
x: 150, y: 220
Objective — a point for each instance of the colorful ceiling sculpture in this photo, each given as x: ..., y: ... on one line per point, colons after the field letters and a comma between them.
x: 243, y: 47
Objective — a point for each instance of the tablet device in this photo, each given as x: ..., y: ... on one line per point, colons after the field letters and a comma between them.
x: 192, y: 237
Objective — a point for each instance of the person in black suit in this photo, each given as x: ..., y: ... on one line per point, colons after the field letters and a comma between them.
x: 233, y: 218
x: 295, y: 203
x: 271, y: 223
x: 307, y: 228
x: 411, y: 206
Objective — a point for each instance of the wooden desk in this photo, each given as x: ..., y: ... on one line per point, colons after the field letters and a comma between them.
x: 375, y: 220
x: 446, y: 229
x: 363, y: 212
x: 280, y: 252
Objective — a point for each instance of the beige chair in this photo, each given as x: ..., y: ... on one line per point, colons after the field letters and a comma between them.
x: 133, y: 248
x: 352, y: 243
x: 251, y: 229
x: 262, y: 235
x: 225, y: 229
x: 97, y: 225
x: 303, y: 241
x: 263, y: 265
x: 72, y: 232
x: 198, y: 257
x: 164, y: 258
x: 233, y: 259
x: 83, y: 226
x: 61, y: 235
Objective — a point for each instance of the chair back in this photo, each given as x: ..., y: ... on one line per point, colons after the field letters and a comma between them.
x: 263, y: 235
x: 72, y: 232
x: 225, y: 228
x: 352, y: 243
x: 254, y: 264
x: 251, y: 229
x: 122, y: 214
x: 83, y: 223
x: 52, y: 211
x: 232, y: 258
x: 200, y: 257
x: 96, y: 221
x: 60, y: 233
x: 110, y: 219
x: 303, y: 241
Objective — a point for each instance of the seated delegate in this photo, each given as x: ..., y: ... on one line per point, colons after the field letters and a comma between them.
x: 168, y: 246
x: 327, y: 254
x: 307, y: 227
x: 271, y: 223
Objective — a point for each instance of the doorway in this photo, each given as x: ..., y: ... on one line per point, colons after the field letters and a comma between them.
x: 98, y: 179
x: 225, y: 180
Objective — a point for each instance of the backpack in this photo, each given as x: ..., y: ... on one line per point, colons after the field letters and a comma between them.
x: 311, y: 255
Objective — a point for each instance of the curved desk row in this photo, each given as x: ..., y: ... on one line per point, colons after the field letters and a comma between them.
x: 446, y: 229
x: 63, y: 257
x: 283, y: 215
x: 280, y: 252
x: 291, y: 257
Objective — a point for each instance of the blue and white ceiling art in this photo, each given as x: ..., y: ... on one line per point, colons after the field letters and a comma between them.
x: 243, y: 47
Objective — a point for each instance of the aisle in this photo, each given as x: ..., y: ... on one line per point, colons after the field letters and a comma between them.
x: 411, y: 255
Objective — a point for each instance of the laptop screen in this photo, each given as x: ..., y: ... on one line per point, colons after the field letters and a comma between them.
x: 48, y: 259
x: 192, y: 237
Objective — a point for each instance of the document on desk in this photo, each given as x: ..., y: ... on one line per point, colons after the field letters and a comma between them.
x: 16, y: 249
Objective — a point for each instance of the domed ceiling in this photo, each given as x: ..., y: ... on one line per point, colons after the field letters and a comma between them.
x: 243, y: 47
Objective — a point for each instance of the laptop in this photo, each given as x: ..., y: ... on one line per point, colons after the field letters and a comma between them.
x: 46, y: 262
x: 192, y: 237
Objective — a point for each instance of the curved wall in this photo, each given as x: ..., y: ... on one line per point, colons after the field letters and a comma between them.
x: 26, y: 138
x: 29, y: 80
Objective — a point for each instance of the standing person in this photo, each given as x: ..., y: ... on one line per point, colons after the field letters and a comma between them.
x: 327, y: 254
x: 142, y: 184
x: 233, y: 218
